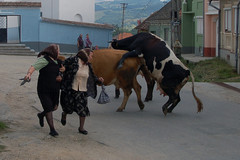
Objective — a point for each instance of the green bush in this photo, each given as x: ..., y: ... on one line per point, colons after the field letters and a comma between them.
x: 2, y: 126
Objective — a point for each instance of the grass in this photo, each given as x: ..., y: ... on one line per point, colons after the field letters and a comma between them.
x: 2, y: 126
x: 2, y: 148
x: 213, y: 70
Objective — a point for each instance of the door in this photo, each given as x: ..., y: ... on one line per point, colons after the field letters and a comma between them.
x: 3, y: 29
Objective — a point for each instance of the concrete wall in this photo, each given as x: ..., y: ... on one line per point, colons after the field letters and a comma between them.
x: 66, y: 36
x: 70, y: 8
x: 65, y: 9
x: 30, y: 18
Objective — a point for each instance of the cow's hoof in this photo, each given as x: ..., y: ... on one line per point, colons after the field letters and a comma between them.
x: 119, y: 110
x: 141, y: 105
x: 165, y: 111
x: 147, y: 99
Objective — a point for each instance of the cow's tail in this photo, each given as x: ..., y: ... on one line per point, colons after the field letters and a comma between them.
x: 199, y: 103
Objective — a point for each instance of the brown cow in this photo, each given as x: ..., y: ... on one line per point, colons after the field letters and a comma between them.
x: 104, y: 63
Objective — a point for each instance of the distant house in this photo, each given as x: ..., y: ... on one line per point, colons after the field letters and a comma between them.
x: 211, y: 29
x: 21, y: 22
x: 123, y: 35
x: 165, y: 22
x: 229, y: 49
x: 192, y: 27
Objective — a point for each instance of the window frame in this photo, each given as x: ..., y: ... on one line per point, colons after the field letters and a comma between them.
x: 228, y: 19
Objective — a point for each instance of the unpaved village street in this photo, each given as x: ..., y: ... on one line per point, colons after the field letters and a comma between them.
x: 213, y: 134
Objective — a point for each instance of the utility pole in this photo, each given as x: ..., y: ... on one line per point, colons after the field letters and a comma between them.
x: 124, y: 5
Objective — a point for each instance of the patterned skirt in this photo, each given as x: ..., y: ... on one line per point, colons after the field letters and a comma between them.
x: 75, y: 101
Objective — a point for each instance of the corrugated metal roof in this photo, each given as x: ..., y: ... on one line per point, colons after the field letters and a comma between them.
x: 20, y: 4
x: 96, y: 25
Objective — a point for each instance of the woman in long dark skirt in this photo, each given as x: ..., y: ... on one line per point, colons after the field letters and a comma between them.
x: 78, y: 83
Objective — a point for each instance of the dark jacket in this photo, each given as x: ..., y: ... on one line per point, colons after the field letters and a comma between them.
x: 71, y: 66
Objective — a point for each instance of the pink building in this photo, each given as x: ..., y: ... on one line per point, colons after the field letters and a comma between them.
x: 211, y: 29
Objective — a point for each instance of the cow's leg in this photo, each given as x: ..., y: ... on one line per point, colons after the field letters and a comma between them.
x: 117, y: 92
x: 137, y: 89
x: 127, y: 93
x: 165, y: 106
x: 175, y: 102
x: 150, y: 87
x: 150, y: 82
x: 176, y: 93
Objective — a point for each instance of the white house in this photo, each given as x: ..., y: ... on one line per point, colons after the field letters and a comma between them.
x: 70, y: 10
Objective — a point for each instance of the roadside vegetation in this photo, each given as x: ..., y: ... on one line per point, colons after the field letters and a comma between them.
x: 213, y: 70
x: 3, y: 126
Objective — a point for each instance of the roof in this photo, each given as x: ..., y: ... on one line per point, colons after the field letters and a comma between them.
x: 162, y: 15
x: 123, y: 35
x: 96, y: 25
x: 20, y: 4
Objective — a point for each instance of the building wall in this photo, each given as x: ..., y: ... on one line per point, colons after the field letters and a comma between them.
x: 159, y: 31
x: 192, y: 40
x: 210, y: 29
x: 85, y: 8
x: 30, y: 18
x: 66, y: 36
x: 197, y: 6
x: 66, y: 9
x: 228, y: 37
x: 188, y: 27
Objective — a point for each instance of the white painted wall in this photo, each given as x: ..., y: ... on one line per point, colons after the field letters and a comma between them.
x: 71, y: 10
x: 84, y: 8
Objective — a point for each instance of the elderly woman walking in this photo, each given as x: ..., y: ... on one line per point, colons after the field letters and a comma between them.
x: 48, y: 85
x: 78, y: 83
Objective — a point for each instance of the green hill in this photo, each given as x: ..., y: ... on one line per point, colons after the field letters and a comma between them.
x: 110, y: 12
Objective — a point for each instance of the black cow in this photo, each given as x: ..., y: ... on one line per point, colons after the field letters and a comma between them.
x: 169, y: 72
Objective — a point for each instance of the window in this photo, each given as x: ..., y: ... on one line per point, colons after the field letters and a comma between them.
x: 199, y: 20
x: 228, y: 19
x: 153, y: 32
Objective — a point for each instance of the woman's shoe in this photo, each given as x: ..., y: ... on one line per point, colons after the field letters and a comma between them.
x: 53, y: 133
x: 41, y: 120
x: 63, y: 119
x: 82, y: 131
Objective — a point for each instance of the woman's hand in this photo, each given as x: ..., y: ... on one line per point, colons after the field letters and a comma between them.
x: 27, y: 77
x: 58, y: 78
x: 62, y: 69
x: 101, y: 79
x: 29, y: 73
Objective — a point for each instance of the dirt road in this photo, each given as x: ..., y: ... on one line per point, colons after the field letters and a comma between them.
x: 26, y: 140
